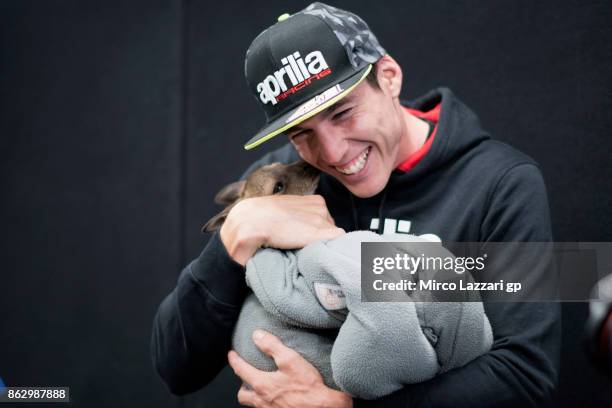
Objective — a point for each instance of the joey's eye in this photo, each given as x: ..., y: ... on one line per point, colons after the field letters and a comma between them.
x: 278, y: 187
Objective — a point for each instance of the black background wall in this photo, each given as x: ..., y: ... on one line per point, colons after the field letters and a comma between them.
x: 120, y: 120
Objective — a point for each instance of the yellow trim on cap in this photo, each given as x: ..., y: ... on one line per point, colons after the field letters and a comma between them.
x: 283, y: 17
x: 309, y: 114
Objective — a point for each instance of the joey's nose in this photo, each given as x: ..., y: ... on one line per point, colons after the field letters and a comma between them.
x: 303, y: 168
x: 310, y: 171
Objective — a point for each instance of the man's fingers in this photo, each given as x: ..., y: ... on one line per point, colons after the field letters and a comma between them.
x: 272, y: 346
x: 248, y: 398
x: 330, y: 233
x: 244, y: 370
x: 317, y: 199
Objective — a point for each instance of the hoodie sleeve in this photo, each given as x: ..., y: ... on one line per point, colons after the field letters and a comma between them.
x: 522, y: 366
x: 193, y: 326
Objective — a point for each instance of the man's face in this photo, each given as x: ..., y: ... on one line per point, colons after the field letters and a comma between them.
x: 357, y: 140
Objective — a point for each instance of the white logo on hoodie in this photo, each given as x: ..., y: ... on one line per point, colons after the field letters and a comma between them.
x: 393, y: 226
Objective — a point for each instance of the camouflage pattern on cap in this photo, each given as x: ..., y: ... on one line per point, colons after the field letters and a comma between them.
x: 360, y: 43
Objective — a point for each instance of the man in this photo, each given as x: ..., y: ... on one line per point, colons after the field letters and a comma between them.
x: 426, y: 168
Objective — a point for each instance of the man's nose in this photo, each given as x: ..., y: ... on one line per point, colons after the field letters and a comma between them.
x: 332, y: 144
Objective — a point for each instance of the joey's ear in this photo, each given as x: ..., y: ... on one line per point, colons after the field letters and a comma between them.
x: 230, y: 193
x: 215, y: 222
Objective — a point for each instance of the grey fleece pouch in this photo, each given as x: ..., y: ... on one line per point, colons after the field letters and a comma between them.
x: 304, y: 296
x: 286, y: 306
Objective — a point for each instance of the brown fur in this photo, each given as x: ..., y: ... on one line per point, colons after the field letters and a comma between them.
x: 298, y: 178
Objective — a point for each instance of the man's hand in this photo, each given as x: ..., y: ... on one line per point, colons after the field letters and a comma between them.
x: 281, y: 221
x: 296, y: 383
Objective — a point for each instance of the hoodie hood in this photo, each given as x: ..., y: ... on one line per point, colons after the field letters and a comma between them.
x: 457, y: 129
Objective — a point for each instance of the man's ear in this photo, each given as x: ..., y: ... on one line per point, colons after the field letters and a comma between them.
x: 389, y: 75
x: 230, y: 193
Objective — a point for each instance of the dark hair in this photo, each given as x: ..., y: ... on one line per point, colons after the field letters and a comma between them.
x: 372, y: 79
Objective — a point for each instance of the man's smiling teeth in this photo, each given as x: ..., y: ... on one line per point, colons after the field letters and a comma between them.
x: 356, y: 165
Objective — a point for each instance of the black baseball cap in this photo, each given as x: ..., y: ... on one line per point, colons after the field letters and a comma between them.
x: 305, y: 63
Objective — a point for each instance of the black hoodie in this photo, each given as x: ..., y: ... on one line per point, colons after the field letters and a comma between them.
x: 466, y: 187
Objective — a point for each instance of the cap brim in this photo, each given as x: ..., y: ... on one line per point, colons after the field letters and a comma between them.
x: 307, y: 110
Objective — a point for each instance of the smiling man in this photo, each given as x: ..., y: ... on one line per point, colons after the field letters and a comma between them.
x: 365, y: 136
x: 424, y: 167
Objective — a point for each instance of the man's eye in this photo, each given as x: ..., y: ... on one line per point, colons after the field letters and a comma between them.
x: 342, y: 114
x: 298, y: 136
x: 278, y: 187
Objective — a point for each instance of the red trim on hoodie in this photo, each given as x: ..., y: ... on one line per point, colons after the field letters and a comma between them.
x: 414, y: 159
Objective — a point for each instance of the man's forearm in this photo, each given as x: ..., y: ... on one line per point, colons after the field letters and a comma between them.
x: 193, y: 326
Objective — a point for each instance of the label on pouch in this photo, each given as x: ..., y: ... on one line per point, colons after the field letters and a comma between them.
x: 330, y: 296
